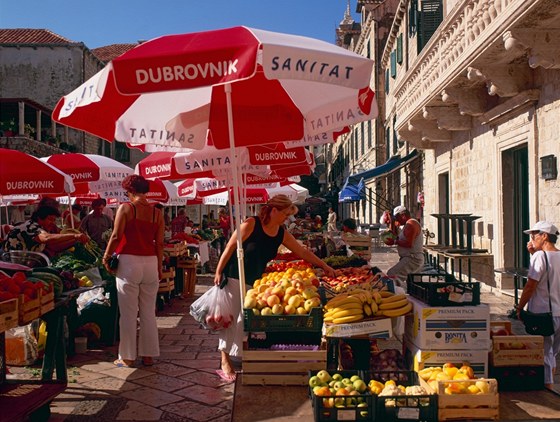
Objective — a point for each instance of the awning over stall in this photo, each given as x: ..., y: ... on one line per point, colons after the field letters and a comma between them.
x: 352, y: 192
x: 394, y: 163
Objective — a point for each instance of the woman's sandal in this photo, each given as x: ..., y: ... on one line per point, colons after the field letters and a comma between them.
x: 147, y: 361
x: 124, y: 363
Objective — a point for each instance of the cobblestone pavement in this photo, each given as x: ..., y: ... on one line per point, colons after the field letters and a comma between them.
x: 182, y: 385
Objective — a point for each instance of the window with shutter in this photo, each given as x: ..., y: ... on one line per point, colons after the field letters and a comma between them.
x: 399, y: 49
x: 388, y: 142
x: 387, y: 81
x: 393, y: 64
x: 431, y: 15
x: 412, y: 17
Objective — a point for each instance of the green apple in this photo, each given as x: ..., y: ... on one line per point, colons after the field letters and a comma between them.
x: 317, y: 387
x: 354, y: 378
x: 350, y: 388
x: 332, y: 383
x: 337, y: 377
x: 339, y: 402
x: 338, y: 385
x: 360, y: 386
x: 363, y: 404
x: 314, y: 381
x: 324, y: 376
x: 350, y: 402
x: 346, y: 381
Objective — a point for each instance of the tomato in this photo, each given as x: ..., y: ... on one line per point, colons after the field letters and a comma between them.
x: 19, y: 277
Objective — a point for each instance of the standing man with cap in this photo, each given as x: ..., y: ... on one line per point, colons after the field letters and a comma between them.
x: 409, y: 246
x: 542, y: 291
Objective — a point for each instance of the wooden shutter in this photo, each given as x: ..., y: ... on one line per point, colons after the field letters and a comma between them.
x: 393, y: 64
x: 431, y: 15
x: 399, y: 49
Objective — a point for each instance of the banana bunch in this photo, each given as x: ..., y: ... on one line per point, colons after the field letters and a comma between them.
x: 351, y: 307
x: 393, y: 305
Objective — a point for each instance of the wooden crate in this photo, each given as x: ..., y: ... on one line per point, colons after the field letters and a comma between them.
x: 47, y: 301
x: 189, y: 276
x: 28, y: 310
x: 467, y: 406
x: 175, y: 249
x: 166, y: 285
x: 281, y: 367
x: 517, y: 351
x: 8, y: 314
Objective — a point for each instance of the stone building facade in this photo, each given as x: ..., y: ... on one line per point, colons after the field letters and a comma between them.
x: 473, y: 85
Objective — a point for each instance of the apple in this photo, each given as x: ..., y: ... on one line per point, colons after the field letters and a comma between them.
x: 354, y: 378
x: 324, y: 376
x: 277, y: 309
x: 314, y: 381
x: 346, y: 381
x: 291, y: 291
x: 339, y: 385
x: 266, y: 311
x: 256, y: 312
x: 278, y: 291
x: 272, y: 300
x: 309, y: 292
x: 467, y: 370
x: 250, y: 302
x: 337, y: 377
x: 295, y: 300
x: 301, y: 310
x: 359, y: 385
x: 289, y: 310
x: 316, y: 389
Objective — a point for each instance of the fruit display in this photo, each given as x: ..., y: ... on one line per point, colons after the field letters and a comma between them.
x: 347, y: 279
x: 290, y: 292
x: 19, y: 284
x: 360, y: 303
x: 342, y: 390
x: 444, y: 379
x: 284, y: 265
x: 337, y: 261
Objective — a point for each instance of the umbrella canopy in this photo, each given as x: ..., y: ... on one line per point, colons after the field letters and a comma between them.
x: 90, y: 172
x: 283, y: 87
x: 21, y: 173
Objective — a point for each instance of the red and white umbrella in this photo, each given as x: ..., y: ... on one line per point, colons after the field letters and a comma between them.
x: 21, y: 173
x: 239, y: 87
x: 280, y: 87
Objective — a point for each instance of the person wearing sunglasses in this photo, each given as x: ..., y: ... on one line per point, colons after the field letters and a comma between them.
x: 543, y: 282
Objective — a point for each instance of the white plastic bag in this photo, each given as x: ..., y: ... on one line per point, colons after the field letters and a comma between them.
x: 214, y: 309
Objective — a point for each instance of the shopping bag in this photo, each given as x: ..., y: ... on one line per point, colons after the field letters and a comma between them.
x: 214, y: 309
x: 21, y: 346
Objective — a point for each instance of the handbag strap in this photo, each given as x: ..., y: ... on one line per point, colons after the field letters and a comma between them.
x: 547, y: 280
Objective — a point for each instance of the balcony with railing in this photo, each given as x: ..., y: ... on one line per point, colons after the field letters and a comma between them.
x: 482, y: 55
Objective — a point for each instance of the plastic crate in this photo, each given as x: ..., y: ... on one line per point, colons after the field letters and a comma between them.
x: 343, y: 408
x: 313, y: 321
x: 518, y: 378
x: 443, y: 290
x: 421, y: 408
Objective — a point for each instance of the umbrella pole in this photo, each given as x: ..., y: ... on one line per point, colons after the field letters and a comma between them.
x: 71, y: 213
x: 227, y: 89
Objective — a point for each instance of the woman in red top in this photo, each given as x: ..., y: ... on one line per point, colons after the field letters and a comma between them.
x: 137, y: 238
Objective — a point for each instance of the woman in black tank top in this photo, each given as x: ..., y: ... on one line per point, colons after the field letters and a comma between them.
x: 261, y: 237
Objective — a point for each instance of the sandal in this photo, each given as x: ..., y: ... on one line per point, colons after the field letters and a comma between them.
x: 147, y: 361
x: 226, y: 377
x: 124, y: 363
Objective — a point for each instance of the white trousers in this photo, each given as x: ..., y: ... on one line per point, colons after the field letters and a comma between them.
x: 230, y: 340
x: 137, y: 286
x: 551, y: 350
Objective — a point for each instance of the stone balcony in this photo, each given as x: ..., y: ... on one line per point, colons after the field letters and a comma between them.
x: 29, y: 146
x: 477, y: 67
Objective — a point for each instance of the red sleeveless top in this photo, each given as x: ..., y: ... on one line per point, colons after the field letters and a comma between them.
x: 138, y: 237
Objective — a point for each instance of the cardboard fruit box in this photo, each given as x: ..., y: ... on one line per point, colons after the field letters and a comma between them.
x: 424, y: 358
x: 374, y: 328
x: 450, y: 327
x: 517, y: 351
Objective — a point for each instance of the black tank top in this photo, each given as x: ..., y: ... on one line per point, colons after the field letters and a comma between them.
x: 258, y: 249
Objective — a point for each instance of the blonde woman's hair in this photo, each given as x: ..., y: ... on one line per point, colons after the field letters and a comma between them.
x: 281, y: 203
